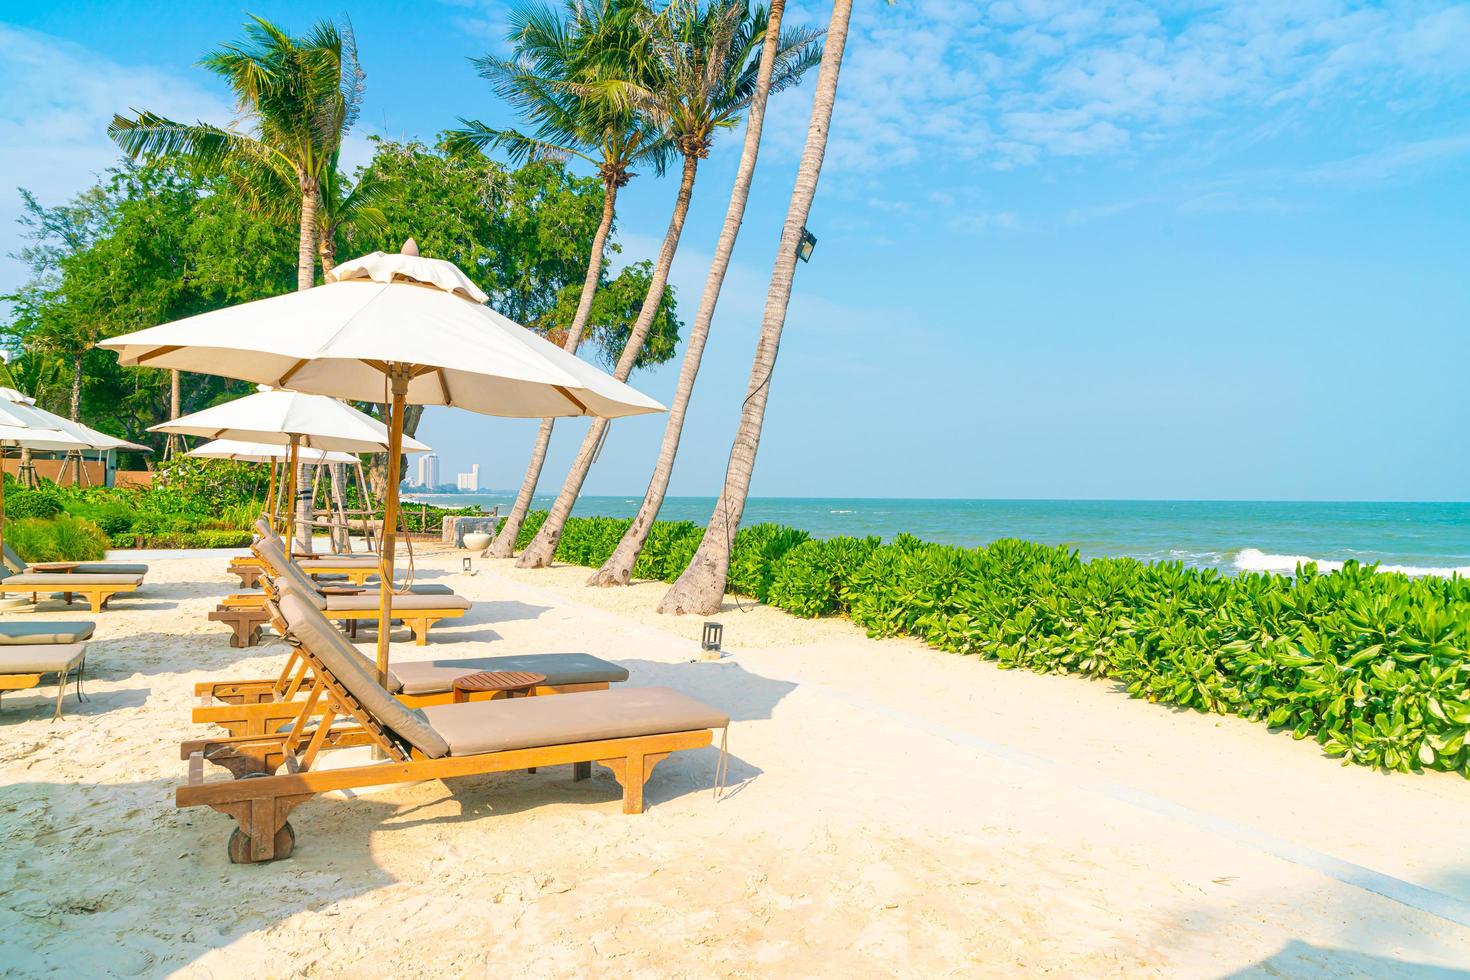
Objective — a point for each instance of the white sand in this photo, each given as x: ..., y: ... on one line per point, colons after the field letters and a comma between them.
x: 893, y: 811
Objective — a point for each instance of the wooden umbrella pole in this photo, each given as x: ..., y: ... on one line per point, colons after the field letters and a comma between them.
x: 291, y: 499
x: 398, y: 377
x: 270, y: 494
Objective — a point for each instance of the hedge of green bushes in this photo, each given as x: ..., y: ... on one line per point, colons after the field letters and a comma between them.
x: 57, y: 538
x: 1374, y: 666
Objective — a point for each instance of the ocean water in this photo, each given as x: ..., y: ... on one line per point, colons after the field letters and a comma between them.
x: 1234, y: 536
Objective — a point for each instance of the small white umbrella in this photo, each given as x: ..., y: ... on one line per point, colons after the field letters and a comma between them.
x: 260, y: 452
x: 397, y: 329
x: 27, y: 427
x: 292, y: 420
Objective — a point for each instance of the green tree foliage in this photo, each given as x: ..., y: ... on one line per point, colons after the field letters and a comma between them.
x: 155, y: 242
x: 520, y: 234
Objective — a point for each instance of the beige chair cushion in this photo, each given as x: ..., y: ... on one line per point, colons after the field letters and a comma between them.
x: 29, y: 634
x: 42, y: 658
x: 438, y: 676
x: 358, y: 675
x: 49, y: 582
x: 323, y: 564
x: 477, y: 727
x: 111, y: 568
x: 407, y: 603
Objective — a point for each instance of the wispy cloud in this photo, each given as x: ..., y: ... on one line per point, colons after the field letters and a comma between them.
x: 1013, y: 82
x: 53, y: 135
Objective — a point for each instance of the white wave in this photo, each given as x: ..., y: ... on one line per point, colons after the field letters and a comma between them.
x: 842, y: 512
x: 1255, y: 560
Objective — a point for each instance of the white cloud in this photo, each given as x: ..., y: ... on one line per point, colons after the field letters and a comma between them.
x: 53, y: 134
x: 1011, y: 82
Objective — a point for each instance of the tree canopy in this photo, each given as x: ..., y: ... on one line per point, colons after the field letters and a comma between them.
x: 156, y: 241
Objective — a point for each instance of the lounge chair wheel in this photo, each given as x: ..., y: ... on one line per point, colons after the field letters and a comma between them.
x: 239, y: 846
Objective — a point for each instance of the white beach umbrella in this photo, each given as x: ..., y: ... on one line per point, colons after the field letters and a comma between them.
x: 260, y: 452
x: 28, y: 427
x: 398, y: 329
x: 292, y: 420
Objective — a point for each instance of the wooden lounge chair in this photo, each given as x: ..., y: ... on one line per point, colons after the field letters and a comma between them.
x: 418, y: 610
x: 14, y: 562
x: 24, y: 665
x: 97, y: 589
x: 630, y: 731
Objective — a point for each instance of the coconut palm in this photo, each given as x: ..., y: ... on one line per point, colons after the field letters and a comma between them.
x: 701, y: 588
x: 553, y: 57
x: 297, y: 96
x: 342, y: 210
x: 702, y: 72
x: 618, y: 568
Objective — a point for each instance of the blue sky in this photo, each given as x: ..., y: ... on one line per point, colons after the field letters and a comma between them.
x: 1169, y: 250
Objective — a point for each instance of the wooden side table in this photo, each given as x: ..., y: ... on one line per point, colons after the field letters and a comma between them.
x: 512, y: 682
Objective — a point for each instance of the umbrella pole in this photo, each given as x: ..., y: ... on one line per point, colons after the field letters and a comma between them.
x: 270, y: 494
x: 291, y: 499
x: 398, y: 376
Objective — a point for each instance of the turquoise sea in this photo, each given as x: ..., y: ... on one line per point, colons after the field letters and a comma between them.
x: 1418, y: 538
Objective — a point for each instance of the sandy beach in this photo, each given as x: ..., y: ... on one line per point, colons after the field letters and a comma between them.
x: 891, y: 811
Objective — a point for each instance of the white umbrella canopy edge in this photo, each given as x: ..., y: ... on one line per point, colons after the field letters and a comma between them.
x: 342, y: 339
x: 400, y: 336
x: 278, y: 417
x: 242, y: 451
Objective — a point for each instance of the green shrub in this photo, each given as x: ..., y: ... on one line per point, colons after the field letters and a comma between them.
x: 61, y: 538
x: 43, y: 501
x: 668, y: 550
x: 754, y: 555
x: 809, y: 579
x: 529, y: 527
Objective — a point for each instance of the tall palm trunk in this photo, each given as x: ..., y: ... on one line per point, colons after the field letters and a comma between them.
x: 305, y: 279
x: 701, y: 589
x: 327, y: 252
x: 538, y: 553
x: 171, y: 444
x: 505, y: 542
x: 76, y: 414
x: 306, y: 243
x: 618, y: 568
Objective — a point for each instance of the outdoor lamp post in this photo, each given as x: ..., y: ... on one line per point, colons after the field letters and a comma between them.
x: 709, y: 644
x: 807, y: 245
x: 465, y: 564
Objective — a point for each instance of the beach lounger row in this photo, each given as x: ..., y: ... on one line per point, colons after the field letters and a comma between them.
x: 629, y: 730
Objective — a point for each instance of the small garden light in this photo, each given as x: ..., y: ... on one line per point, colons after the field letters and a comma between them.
x: 709, y: 644
x: 807, y: 245
x: 465, y: 564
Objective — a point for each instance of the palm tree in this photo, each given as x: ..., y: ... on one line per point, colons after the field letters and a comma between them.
x: 618, y: 568
x: 701, y: 589
x: 553, y: 56
x: 299, y: 97
x: 702, y: 74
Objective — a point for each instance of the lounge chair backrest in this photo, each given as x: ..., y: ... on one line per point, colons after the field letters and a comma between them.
x: 263, y: 529
x: 13, y: 561
x: 286, y: 572
x: 358, y: 675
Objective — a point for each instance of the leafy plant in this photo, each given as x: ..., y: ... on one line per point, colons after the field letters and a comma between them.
x: 61, y: 538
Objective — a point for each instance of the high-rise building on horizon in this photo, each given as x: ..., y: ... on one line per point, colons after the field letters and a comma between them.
x: 428, y: 476
x: 469, y: 481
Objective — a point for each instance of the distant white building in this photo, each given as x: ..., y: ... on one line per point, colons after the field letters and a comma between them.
x: 428, y: 470
x: 469, y: 481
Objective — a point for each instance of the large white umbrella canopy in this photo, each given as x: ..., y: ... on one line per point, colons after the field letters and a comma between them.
x: 381, y: 310
x: 279, y: 417
x: 398, y: 329
x: 87, y: 438
x: 260, y: 452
